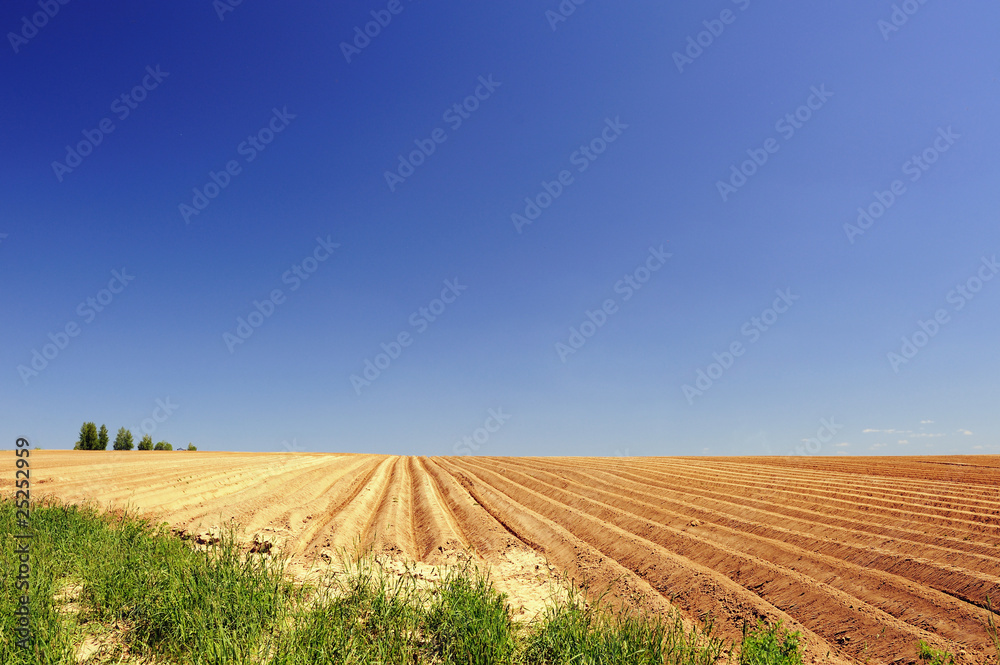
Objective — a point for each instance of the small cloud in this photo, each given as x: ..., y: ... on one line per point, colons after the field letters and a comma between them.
x: 977, y: 447
x: 902, y: 432
x: 926, y: 422
x: 877, y: 446
x: 842, y: 445
x: 965, y: 431
x: 841, y: 452
x: 903, y: 442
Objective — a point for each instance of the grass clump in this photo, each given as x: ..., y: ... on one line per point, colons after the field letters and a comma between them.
x: 468, y: 622
x: 363, y: 616
x: 991, y: 627
x: 160, y: 596
x: 575, y: 632
x: 932, y: 656
x: 366, y: 615
x: 218, y: 604
x: 770, y: 645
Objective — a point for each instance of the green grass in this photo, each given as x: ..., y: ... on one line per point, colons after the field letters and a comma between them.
x: 933, y: 656
x: 162, y: 596
x: 573, y: 632
x: 770, y: 645
x: 991, y: 627
x: 143, y: 595
x: 49, y: 565
x: 467, y: 622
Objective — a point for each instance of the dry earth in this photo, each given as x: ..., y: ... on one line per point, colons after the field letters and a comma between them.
x: 865, y: 556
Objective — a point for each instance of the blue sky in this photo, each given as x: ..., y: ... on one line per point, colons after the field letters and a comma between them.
x: 649, y: 132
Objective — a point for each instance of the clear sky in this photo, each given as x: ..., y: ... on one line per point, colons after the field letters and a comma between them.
x: 627, y: 228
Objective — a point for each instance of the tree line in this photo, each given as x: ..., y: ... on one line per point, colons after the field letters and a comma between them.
x: 93, y: 439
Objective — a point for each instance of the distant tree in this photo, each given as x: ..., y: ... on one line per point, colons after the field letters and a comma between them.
x: 191, y: 446
x: 163, y: 445
x: 146, y: 443
x: 124, y: 439
x: 102, y: 438
x: 88, y: 437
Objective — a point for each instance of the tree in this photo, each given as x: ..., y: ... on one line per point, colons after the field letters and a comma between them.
x: 88, y: 437
x: 163, y: 445
x: 124, y: 439
x: 191, y: 446
x: 146, y: 443
x: 102, y: 438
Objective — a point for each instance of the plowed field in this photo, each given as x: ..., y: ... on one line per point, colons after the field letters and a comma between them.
x: 865, y: 556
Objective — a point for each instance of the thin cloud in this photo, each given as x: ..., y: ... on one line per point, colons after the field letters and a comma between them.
x: 906, y: 433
